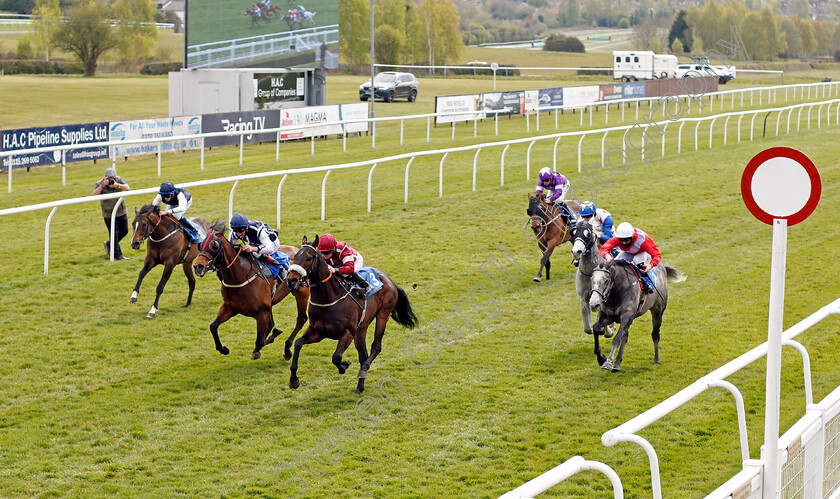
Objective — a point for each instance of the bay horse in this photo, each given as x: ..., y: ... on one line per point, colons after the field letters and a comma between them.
x: 246, y: 291
x: 618, y: 297
x: 293, y: 21
x: 585, y: 251
x: 337, y: 314
x: 256, y: 17
x: 549, y: 228
x: 168, y: 244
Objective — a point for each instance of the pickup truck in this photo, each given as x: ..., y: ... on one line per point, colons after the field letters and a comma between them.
x: 703, y: 68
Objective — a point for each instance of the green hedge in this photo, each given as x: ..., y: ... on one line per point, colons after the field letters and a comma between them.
x: 14, y: 67
x: 160, y: 68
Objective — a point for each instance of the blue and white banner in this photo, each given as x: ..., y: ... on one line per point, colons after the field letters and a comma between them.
x: 551, y: 97
x: 155, y: 128
x: 30, y: 138
x: 633, y: 89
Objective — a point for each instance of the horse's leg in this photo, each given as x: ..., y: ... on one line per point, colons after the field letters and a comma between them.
x: 302, y: 300
x: 167, y: 271
x: 147, y: 266
x: 620, y: 341
x: 282, y: 291
x: 597, y: 330
x: 265, y: 323
x: 375, y: 348
x: 309, y: 336
x: 343, y: 343
x: 656, y: 319
x: 225, y: 313
x: 586, y: 313
x: 188, y: 270
x: 544, y: 261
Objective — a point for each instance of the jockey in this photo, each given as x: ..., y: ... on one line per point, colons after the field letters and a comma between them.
x: 556, y: 186
x: 177, y: 202
x: 257, y: 10
x: 343, y: 259
x: 601, y: 220
x: 301, y: 10
x: 261, y: 239
x: 636, y: 247
x: 266, y: 4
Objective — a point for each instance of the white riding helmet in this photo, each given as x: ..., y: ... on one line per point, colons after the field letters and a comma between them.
x: 624, y: 230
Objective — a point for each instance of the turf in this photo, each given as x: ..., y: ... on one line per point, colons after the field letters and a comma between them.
x: 97, y: 400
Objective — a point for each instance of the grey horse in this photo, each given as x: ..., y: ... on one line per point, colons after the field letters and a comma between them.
x: 618, y: 298
x: 585, y: 251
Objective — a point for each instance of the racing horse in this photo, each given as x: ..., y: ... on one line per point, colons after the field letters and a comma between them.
x: 549, y: 228
x: 257, y: 15
x: 246, y: 290
x: 293, y: 21
x: 585, y: 252
x: 168, y: 244
x: 337, y: 314
x: 618, y: 297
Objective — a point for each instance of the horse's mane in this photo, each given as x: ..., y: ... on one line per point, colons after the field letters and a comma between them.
x: 624, y: 263
x: 219, y: 226
x: 147, y: 208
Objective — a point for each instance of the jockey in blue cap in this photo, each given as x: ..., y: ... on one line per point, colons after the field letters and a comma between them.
x: 177, y: 202
x: 261, y: 239
x: 599, y: 218
x: 556, y: 186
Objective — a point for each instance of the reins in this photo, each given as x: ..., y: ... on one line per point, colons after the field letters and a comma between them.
x: 212, y: 258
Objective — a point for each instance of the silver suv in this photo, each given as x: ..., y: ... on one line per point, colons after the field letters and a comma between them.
x: 390, y: 85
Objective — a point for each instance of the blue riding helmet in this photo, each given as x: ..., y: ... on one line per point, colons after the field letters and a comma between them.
x: 238, y: 222
x: 587, y: 209
x: 167, y: 188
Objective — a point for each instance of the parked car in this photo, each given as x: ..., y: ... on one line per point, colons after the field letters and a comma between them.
x: 390, y: 85
x: 701, y: 67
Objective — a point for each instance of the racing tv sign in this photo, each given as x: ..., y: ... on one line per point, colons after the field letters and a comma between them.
x: 31, y: 138
x: 271, y: 90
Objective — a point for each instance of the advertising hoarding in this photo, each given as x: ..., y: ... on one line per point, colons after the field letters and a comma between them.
x: 30, y: 138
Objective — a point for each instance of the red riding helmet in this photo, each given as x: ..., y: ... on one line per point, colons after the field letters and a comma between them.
x: 326, y: 243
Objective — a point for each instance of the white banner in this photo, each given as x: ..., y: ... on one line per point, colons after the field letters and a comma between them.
x: 532, y: 101
x: 154, y: 128
x: 456, y: 104
x: 580, y: 96
x: 309, y: 116
x: 357, y: 111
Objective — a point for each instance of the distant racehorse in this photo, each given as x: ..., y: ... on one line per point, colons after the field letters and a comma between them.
x: 309, y: 16
x: 293, y: 21
x: 257, y: 16
x: 549, y: 228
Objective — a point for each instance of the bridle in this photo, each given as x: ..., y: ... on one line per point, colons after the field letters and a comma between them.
x: 604, y: 294
x: 306, y: 277
x: 213, y: 255
x: 151, y: 228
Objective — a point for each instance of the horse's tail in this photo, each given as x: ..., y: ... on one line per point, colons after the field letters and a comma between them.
x: 403, y: 313
x: 674, y: 275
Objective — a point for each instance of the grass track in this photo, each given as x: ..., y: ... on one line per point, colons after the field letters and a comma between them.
x: 98, y: 400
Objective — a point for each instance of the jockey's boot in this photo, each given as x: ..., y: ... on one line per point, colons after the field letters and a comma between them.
x: 359, y: 281
x: 190, y: 229
x: 648, y: 284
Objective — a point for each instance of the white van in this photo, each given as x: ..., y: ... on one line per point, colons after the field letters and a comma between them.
x: 701, y: 67
x: 643, y: 65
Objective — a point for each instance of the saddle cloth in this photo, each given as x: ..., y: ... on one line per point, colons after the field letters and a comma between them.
x: 369, y: 275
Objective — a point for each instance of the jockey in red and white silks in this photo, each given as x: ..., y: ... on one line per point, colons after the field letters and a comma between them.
x: 635, y: 246
x: 342, y: 259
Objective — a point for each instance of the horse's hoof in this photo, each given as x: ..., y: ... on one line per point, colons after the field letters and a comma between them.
x: 537, y: 279
x: 294, y: 384
x: 615, y: 369
x: 359, y: 391
x: 287, y: 356
x: 587, y: 332
x: 224, y: 351
x: 132, y: 300
x: 255, y: 355
x: 657, y: 363
x: 609, y: 331
x: 150, y: 315
x: 606, y: 365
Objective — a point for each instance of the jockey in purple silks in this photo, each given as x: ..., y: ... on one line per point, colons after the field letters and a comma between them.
x: 556, y: 186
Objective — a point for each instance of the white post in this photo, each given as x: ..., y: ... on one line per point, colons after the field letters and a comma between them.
x: 503, y: 165
x: 407, y: 166
x: 10, y: 172
x: 202, y: 154
x: 279, y: 188
x: 46, y: 235
x: 159, y: 153
x: 771, y: 486
x: 580, y: 142
x: 64, y: 167
x: 114, y: 227
x: 527, y: 122
x: 230, y: 199
x: 373, y: 134
x: 475, y: 166
x: 554, y: 156
x: 497, y: 125
x: 370, y: 183
x: 603, y: 141
x: 324, y: 196
x: 453, y: 129
x: 241, y: 143
x: 440, y: 178
x: 528, y: 160
x: 475, y: 126
x: 276, y: 147
x: 428, y: 126
x: 402, y: 128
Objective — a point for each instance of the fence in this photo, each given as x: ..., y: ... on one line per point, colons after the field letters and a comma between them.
x: 809, y: 452
x: 411, y: 156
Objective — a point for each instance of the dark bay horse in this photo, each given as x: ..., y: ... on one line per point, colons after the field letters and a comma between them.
x: 292, y: 22
x: 338, y: 314
x: 246, y: 291
x: 585, y: 251
x: 257, y: 16
x: 618, y: 298
x: 168, y: 244
x: 549, y: 228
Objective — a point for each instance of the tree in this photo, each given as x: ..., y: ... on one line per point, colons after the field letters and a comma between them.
x: 799, y: 8
x: 354, y: 31
x: 681, y: 31
x: 388, y: 43
x: 137, y: 30
x: 561, y: 43
x: 572, y: 12
x: 794, y: 40
x: 677, y: 47
x: 439, y: 21
x: 47, y: 20
x: 87, y: 33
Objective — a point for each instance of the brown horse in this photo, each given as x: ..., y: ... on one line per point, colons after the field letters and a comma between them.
x: 168, y: 244
x: 257, y: 16
x: 336, y: 313
x: 549, y: 228
x: 293, y: 21
x: 246, y: 290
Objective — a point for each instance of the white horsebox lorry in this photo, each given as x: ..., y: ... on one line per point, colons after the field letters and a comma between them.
x: 632, y: 65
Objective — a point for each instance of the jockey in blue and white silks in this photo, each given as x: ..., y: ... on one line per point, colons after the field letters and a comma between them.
x: 261, y: 239
x: 600, y: 219
x: 178, y: 202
